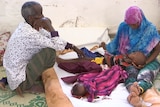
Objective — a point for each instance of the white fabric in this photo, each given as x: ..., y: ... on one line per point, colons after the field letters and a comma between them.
x: 22, y: 45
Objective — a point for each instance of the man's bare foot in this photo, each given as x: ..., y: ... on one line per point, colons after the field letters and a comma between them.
x: 19, y: 91
x: 2, y: 86
x: 134, y: 100
x: 135, y: 88
x: 35, y: 89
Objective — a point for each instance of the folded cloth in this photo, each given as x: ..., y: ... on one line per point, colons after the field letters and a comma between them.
x: 80, y: 66
x: 90, y: 54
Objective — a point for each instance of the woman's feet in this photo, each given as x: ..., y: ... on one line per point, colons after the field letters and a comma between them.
x: 135, y: 88
x: 134, y: 99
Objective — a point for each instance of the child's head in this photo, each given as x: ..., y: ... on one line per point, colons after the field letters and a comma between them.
x: 137, y: 58
x: 78, y: 90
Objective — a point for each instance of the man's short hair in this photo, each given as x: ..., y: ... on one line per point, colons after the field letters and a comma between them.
x: 28, y: 9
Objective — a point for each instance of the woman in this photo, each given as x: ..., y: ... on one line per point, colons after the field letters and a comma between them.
x: 136, y: 33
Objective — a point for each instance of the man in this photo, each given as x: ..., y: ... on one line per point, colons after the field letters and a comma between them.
x: 31, y: 50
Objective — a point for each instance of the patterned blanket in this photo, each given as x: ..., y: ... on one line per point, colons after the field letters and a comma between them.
x: 10, y: 99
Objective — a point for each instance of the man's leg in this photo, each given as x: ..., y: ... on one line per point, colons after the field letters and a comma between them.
x: 36, y: 66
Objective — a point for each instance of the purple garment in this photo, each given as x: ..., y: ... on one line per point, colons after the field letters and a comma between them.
x: 133, y: 15
x: 103, y: 83
x: 79, y: 68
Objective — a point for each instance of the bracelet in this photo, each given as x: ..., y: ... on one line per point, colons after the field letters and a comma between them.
x: 142, y: 90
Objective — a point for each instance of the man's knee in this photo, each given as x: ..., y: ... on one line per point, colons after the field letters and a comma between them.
x: 50, y: 50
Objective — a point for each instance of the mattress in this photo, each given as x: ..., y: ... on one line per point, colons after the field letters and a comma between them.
x: 88, y: 37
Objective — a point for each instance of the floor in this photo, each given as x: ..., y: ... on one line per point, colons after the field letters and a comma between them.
x: 9, y: 98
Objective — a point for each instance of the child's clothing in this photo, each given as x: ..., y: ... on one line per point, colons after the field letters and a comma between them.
x: 118, y: 60
x: 98, y: 60
x: 90, y: 54
x: 102, y: 83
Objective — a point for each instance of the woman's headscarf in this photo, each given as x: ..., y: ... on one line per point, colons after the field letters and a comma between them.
x: 133, y: 15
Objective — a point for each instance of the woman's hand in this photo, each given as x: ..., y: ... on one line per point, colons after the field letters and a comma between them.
x: 138, y: 66
x: 103, y: 45
x: 44, y: 23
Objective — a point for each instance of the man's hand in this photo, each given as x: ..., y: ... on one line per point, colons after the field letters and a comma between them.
x: 78, y: 51
x: 44, y: 23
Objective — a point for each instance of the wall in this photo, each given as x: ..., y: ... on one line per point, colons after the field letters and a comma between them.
x: 79, y: 13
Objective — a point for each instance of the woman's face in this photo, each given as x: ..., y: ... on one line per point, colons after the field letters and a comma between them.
x: 134, y: 26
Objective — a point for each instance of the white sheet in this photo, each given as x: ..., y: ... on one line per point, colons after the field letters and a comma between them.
x: 117, y: 98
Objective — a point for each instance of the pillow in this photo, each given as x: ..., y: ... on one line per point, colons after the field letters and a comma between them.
x: 4, y: 37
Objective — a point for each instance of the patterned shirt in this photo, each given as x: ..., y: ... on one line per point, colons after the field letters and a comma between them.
x: 22, y: 45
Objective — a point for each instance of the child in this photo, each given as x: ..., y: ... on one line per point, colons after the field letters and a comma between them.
x: 92, y: 85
